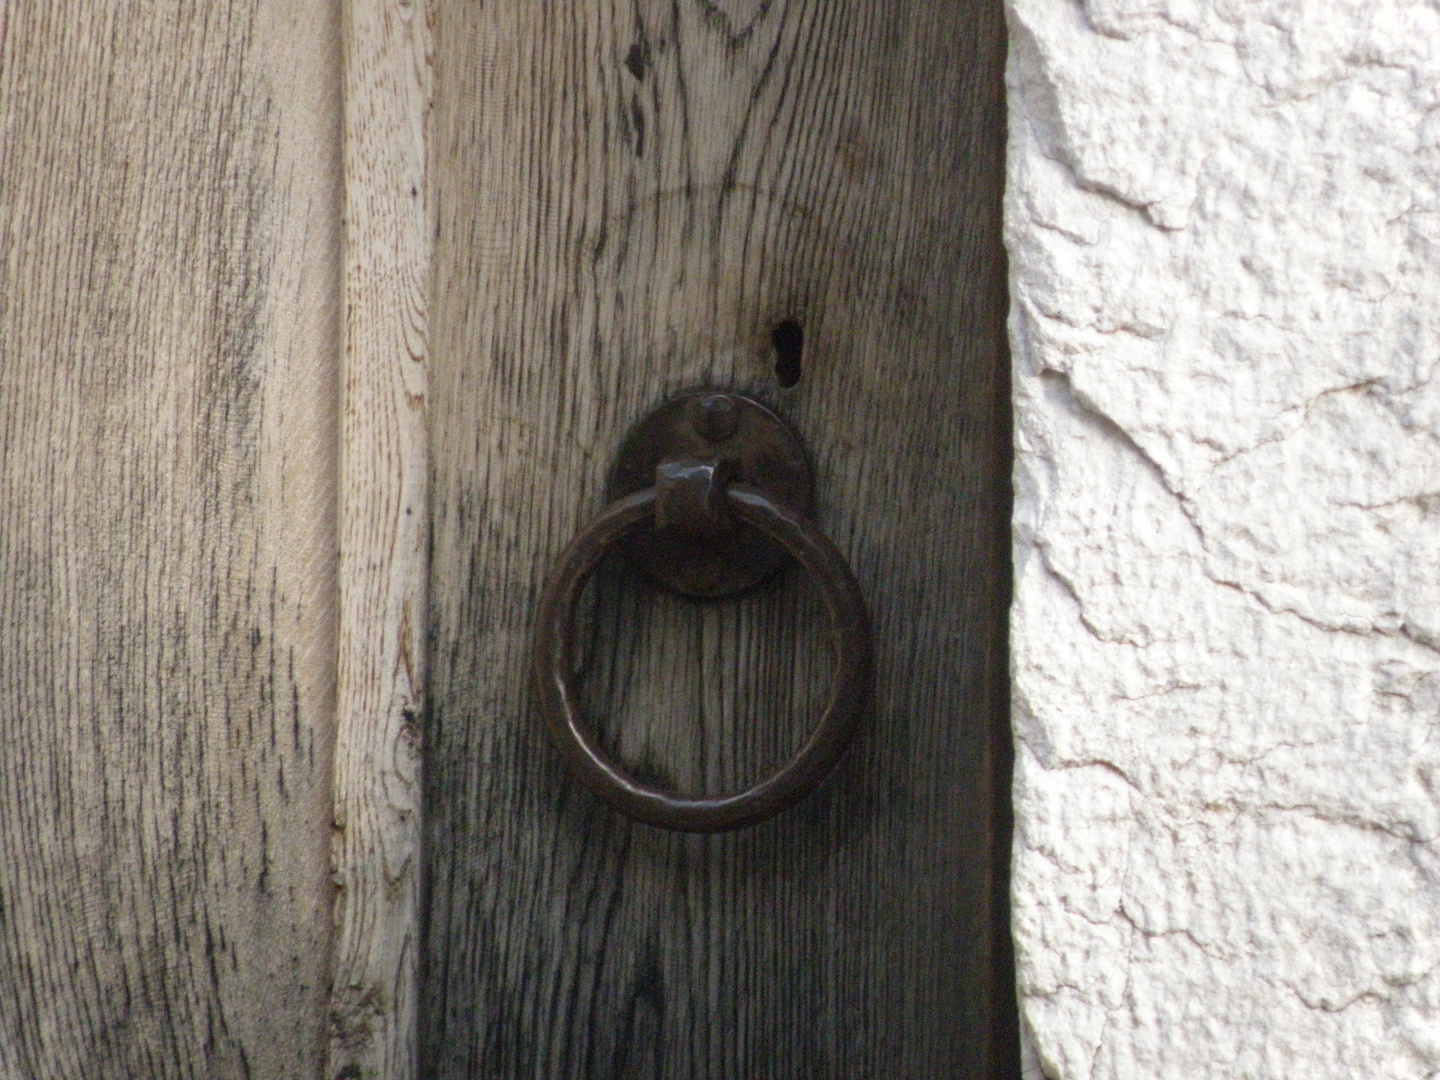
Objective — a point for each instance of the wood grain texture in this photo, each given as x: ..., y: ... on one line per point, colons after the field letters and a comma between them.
x: 169, y: 327
x: 629, y: 199
x: 383, y: 530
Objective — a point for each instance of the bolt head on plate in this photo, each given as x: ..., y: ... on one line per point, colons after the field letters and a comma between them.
x: 718, y: 417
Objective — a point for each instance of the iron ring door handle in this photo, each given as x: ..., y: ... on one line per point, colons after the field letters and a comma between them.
x: 554, y: 677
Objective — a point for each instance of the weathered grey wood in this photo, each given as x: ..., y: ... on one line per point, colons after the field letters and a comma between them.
x: 169, y: 327
x: 629, y: 199
x: 383, y: 527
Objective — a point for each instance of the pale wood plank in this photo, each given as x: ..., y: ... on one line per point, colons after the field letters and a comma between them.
x: 383, y: 531
x: 630, y: 199
x: 169, y: 327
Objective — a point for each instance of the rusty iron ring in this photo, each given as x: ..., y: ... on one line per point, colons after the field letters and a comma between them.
x: 853, y: 674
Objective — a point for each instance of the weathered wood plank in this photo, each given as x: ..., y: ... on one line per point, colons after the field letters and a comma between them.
x: 631, y: 198
x: 383, y: 530
x: 169, y: 327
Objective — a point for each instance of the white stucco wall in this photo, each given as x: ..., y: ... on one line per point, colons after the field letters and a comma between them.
x: 1222, y: 221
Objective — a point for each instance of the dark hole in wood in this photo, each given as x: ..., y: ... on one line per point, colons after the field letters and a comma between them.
x: 638, y: 59
x: 788, y: 340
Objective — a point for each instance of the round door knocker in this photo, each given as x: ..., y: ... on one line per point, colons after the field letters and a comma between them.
x: 727, y: 502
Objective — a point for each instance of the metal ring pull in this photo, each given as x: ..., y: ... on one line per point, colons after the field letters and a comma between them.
x: 697, y: 495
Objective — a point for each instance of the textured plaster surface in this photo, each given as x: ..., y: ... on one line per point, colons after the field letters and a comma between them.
x: 1222, y: 222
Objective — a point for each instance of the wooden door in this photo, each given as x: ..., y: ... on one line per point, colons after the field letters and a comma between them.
x: 630, y: 200
x: 213, y: 462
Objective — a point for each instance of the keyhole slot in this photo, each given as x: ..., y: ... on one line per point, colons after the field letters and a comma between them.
x: 788, y: 341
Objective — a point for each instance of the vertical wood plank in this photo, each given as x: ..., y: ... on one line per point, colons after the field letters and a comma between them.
x: 630, y: 199
x: 383, y: 531
x: 169, y: 327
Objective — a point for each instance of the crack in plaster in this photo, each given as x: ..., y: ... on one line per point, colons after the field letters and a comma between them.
x: 1086, y: 409
x: 1043, y: 549
x: 1052, y: 134
x: 1305, y: 408
x: 1060, y: 385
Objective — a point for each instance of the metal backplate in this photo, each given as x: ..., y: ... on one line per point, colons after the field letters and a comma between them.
x: 760, y: 450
